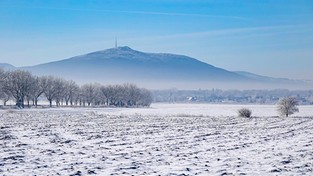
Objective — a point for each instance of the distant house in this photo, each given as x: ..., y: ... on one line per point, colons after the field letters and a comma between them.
x: 191, y: 99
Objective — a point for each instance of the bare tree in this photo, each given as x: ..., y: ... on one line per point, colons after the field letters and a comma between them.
x: 98, y: 96
x: 287, y: 106
x: 2, y: 81
x: 146, y: 97
x: 131, y: 94
x: 81, y: 98
x: 18, y: 84
x: 5, y: 97
x: 105, y: 95
x: 59, y: 85
x: 38, y: 89
x: 49, y: 91
x: 53, y: 89
x: 4, y: 94
x: 71, y: 89
x: 109, y: 92
x: 32, y: 91
x: 2, y: 76
x: 89, y: 93
x: 118, y: 95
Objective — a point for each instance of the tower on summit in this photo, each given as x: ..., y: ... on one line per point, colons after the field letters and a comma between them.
x: 115, y: 42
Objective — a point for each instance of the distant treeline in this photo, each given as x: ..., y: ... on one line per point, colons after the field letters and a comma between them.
x: 24, y: 88
x: 304, y: 97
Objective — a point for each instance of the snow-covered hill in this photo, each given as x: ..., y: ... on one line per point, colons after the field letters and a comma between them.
x: 155, y: 71
x: 123, y: 64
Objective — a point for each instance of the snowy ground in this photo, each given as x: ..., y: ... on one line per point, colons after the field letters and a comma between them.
x: 183, y: 139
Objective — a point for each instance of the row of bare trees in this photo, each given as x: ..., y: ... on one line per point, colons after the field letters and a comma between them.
x: 23, y: 87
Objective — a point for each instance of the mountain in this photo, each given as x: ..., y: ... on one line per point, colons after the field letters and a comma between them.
x: 6, y: 66
x: 266, y: 79
x: 123, y: 64
x: 152, y: 70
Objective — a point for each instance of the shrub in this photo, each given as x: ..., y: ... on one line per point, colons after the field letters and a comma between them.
x: 244, y: 112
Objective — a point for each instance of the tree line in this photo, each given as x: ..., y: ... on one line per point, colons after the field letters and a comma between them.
x: 26, y: 89
x: 304, y: 97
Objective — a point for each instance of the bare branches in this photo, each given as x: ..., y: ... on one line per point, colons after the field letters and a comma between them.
x: 287, y: 106
x: 23, y: 86
x: 126, y: 95
x: 18, y: 83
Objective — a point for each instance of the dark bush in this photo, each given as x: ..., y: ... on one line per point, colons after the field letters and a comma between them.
x: 244, y: 112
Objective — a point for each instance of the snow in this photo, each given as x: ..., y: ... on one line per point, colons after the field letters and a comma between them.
x: 166, y: 139
x: 161, y: 109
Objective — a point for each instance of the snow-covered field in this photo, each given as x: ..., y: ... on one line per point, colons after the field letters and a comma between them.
x: 175, y: 139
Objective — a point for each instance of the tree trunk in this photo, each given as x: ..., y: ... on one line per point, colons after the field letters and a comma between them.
x: 36, y: 103
x: 22, y: 102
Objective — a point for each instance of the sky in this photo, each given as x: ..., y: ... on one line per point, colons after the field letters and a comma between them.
x: 272, y: 38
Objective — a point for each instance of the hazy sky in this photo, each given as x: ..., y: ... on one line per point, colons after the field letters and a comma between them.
x: 268, y: 37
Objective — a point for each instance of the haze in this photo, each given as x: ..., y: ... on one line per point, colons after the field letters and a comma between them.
x: 272, y: 38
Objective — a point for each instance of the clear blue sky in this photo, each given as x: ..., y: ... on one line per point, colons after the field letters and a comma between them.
x: 268, y: 37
